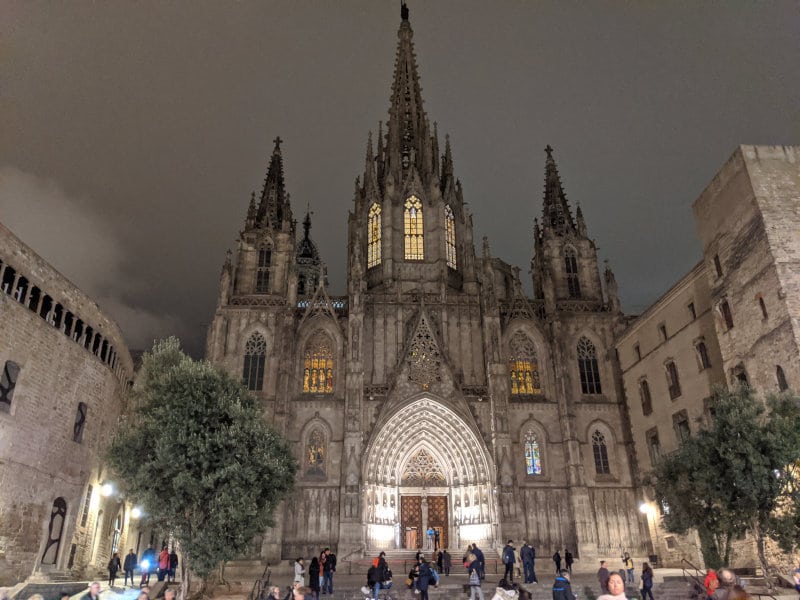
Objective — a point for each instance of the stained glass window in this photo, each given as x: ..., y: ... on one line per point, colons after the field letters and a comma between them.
x: 315, y: 453
x: 262, y: 274
x: 600, y: 453
x: 318, y: 366
x: 255, y: 354
x: 413, y: 229
x: 587, y: 365
x: 533, y: 460
x: 450, y: 236
x: 523, y: 366
x: 571, y: 264
x: 374, y: 236
x: 425, y: 360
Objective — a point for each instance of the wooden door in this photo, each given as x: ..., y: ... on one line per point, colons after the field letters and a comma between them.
x: 437, y: 518
x: 411, y: 518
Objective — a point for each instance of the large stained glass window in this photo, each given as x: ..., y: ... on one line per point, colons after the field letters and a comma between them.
x: 374, y: 236
x: 315, y: 453
x: 255, y: 354
x: 450, y: 236
x: 523, y: 366
x: 412, y: 221
x: 533, y: 459
x: 318, y: 366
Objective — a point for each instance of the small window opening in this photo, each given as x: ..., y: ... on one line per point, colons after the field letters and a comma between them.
x: 692, y: 311
x: 717, y: 265
x: 80, y: 423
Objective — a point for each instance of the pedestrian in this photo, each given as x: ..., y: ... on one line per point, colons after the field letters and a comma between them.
x: 440, y: 561
x: 568, y: 560
x: 128, y: 566
x: 113, y: 566
x: 447, y: 562
x: 274, y: 593
x: 147, y: 564
x: 711, y: 582
x: 509, y: 560
x: 602, y: 577
x: 93, y: 593
x: 616, y: 588
x: 313, y: 582
x: 562, y: 587
x: 727, y: 580
x: 173, y: 564
x: 628, y: 562
x: 299, y: 571
x: 328, y: 569
x: 430, y: 532
x: 481, y: 560
x: 163, y: 563
x: 465, y: 560
x: 437, y: 538
x: 647, y: 581
x: 474, y: 577
x: 557, y: 560
x: 505, y: 591
x: 423, y: 580
x: 527, y: 555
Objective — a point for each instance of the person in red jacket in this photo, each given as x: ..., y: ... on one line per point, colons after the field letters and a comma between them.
x: 163, y: 563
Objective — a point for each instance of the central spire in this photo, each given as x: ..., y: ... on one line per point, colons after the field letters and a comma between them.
x: 273, y: 207
x: 408, y: 136
x: 556, y: 214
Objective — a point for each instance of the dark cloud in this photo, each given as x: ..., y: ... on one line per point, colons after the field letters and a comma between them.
x: 154, y: 121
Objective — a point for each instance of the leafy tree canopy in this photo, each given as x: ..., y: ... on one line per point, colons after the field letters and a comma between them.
x: 738, y: 475
x: 200, y: 457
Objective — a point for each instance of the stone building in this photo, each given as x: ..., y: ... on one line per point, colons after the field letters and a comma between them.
x: 435, y: 393
x: 65, y: 372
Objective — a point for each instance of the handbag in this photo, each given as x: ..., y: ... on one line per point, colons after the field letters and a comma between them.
x: 474, y: 578
x: 408, y: 581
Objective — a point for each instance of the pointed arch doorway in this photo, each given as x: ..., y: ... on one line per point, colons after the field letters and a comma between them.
x: 426, y: 467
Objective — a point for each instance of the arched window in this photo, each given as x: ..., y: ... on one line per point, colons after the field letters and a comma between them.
x: 450, y: 236
x: 647, y: 401
x: 600, y: 452
x: 533, y: 459
x: 412, y: 221
x: 763, y: 307
x: 262, y: 274
x: 316, y: 453
x: 571, y: 268
x: 673, y: 381
x: 781, y: 377
x: 374, y: 236
x: 587, y: 366
x: 54, y: 532
x: 255, y: 354
x: 702, y: 355
x: 318, y: 366
x: 523, y: 366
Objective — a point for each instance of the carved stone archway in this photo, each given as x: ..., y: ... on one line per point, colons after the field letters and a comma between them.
x: 424, y: 432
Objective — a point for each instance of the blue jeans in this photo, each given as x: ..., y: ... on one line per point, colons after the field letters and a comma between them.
x: 530, y: 576
x: 630, y: 575
x: 327, y: 582
x: 381, y: 586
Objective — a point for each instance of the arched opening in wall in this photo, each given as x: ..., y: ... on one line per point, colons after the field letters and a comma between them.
x: 57, y: 316
x: 33, y: 298
x: 783, y: 385
x: 533, y: 457
x: 414, y: 230
x: 21, y: 291
x: 450, y: 236
x: 301, y: 284
x: 98, y: 527
x: 47, y: 305
x: 55, y: 530
x: 96, y: 344
x: 587, y: 367
x: 763, y: 307
x: 739, y: 375
x: 374, y: 236
x: 600, y: 453
x: 263, y: 269
x: 523, y: 366
x: 8, y: 280
x: 69, y: 323
x: 115, y: 535
x: 77, y: 332
x: 103, y: 350
x: 8, y: 382
x: 88, y: 334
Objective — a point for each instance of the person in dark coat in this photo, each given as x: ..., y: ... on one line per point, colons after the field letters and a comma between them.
x: 129, y: 566
x: 568, y: 560
x: 447, y: 562
x: 562, y: 588
x: 528, y: 556
x: 424, y: 579
x: 647, y: 581
x: 113, y: 566
x: 481, y: 560
x: 509, y: 560
x: 602, y: 577
x: 313, y: 579
x: 440, y: 561
x: 557, y: 560
x: 173, y: 564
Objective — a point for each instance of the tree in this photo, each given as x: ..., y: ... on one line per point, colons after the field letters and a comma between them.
x: 200, y: 458
x: 738, y: 475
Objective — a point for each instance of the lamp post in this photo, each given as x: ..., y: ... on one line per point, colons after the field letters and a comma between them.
x: 648, y: 510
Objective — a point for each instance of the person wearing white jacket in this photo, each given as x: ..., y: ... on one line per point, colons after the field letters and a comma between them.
x: 299, y: 571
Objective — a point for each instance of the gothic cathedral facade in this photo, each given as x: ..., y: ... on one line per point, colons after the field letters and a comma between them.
x: 436, y: 393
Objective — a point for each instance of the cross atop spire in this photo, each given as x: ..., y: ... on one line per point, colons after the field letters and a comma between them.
x: 404, y: 11
x: 273, y: 206
x: 556, y: 214
x: 277, y: 141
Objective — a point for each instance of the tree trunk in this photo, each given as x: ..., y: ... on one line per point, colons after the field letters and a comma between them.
x: 185, y: 579
x: 709, y: 546
x: 762, y: 555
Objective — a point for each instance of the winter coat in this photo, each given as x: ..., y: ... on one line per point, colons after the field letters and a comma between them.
x: 647, y: 579
x: 299, y: 573
x: 446, y: 560
x: 313, y: 569
x: 562, y: 589
x: 501, y: 594
x: 130, y: 562
x: 163, y: 560
x: 113, y: 564
x: 424, y: 578
x: 508, y: 555
x: 173, y: 560
x: 329, y: 566
x: 479, y: 556
x: 527, y: 554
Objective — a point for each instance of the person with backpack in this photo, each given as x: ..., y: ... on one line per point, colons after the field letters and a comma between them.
x: 557, y: 560
x: 509, y: 560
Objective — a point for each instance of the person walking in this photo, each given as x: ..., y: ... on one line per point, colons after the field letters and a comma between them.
x: 527, y: 555
x: 113, y: 566
x: 440, y: 561
x: 647, y: 581
x: 129, y: 566
x: 568, y: 560
x: 562, y: 587
x: 93, y: 593
x: 473, y: 569
x: 509, y: 560
x: 299, y: 571
x: 163, y: 563
x: 628, y: 562
x: 557, y: 560
x: 481, y: 561
x: 602, y: 577
x: 423, y: 580
x: 447, y: 562
x: 173, y: 564
x: 313, y: 582
x: 328, y: 569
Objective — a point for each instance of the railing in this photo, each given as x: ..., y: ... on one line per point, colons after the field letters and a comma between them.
x: 261, y: 584
x: 695, y: 579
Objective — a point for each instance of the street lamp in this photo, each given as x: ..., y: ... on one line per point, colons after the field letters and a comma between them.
x: 107, y: 489
x: 136, y: 512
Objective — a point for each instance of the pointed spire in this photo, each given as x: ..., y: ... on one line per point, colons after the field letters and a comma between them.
x: 370, y: 176
x: 447, y: 167
x: 408, y: 128
x: 307, y: 223
x: 580, y: 223
x: 274, y: 200
x: 251, y: 212
x: 557, y: 216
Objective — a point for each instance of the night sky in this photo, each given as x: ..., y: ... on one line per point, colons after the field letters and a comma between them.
x: 131, y: 133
